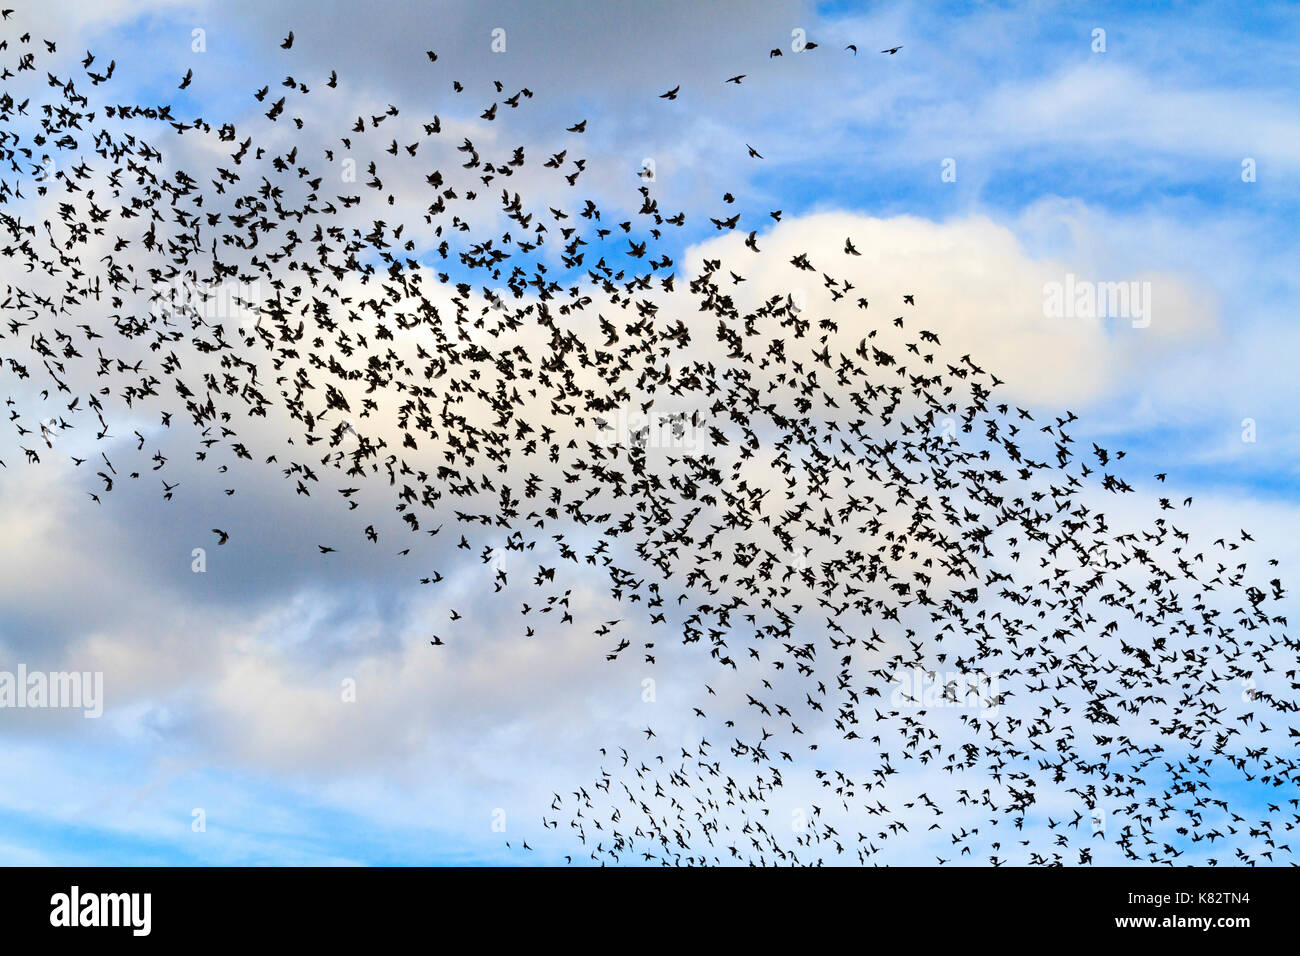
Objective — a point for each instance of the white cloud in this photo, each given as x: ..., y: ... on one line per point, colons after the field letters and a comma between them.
x: 979, y: 289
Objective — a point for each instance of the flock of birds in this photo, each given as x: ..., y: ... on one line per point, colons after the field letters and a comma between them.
x: 917, y: 634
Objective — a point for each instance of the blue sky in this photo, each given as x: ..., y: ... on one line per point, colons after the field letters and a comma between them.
x: 1111, y: 165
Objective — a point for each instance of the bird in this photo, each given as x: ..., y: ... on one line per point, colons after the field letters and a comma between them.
x: 671, y: 94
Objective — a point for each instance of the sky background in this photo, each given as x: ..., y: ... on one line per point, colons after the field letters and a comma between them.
x: 1122, y: 165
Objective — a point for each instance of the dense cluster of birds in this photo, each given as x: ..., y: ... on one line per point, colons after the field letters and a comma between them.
x: 920, y: 629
